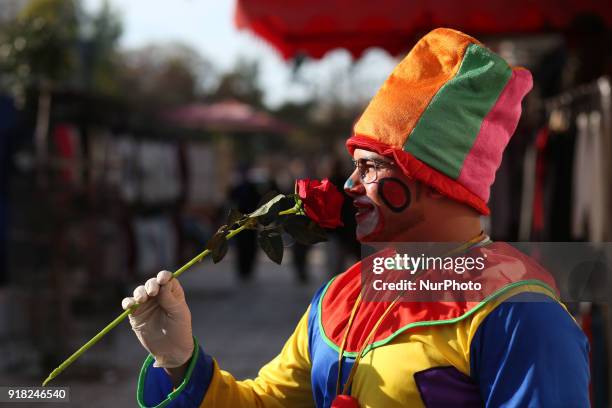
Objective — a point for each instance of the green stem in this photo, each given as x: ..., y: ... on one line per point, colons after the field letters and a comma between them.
x: 296, y: 209
x: 125, y: 313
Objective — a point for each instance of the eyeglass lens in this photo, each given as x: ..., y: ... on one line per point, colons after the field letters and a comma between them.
x: 368, y: 169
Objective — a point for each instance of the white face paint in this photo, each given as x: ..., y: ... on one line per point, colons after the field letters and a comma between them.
x: 368, y: 217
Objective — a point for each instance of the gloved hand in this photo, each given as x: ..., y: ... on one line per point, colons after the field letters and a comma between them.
x: 162, y: 322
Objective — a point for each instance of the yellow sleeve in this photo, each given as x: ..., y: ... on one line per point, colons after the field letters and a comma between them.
x: 283, y: 382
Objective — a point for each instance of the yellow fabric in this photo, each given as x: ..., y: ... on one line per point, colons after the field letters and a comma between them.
x: 283, y: 382
x: 383, y: 378
x: 381, y: 382
x: 402, y: 99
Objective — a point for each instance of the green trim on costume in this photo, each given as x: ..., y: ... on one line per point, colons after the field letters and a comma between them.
x: 145, y: 368
x: 498, y: 293
x: 320, y: 320
x: 447, y: 129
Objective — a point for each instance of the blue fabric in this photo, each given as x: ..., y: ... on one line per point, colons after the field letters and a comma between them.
x: 158, y: 385
x: 518, y: 358
x: 324, y: 360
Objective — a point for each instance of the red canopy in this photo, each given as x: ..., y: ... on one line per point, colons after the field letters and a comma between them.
x: 229, y: 116
x: 314, y: 27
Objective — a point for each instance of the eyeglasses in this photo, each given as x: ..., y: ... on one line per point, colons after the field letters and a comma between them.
x: 368, y: 168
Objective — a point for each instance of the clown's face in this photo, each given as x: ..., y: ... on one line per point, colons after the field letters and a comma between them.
x: 389, y: 205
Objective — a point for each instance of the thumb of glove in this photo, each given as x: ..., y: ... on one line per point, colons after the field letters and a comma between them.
x: 171, y: 296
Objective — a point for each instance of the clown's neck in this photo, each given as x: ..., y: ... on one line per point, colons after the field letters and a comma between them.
x: 455, y: 228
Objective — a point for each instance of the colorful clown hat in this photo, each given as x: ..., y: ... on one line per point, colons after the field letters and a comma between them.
x: 445, y: 115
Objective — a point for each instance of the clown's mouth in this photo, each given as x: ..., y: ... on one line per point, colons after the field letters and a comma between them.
x: 364, y: 209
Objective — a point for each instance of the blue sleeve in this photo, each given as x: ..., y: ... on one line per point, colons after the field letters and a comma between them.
x: 529, y: 352
x: 155, y: 389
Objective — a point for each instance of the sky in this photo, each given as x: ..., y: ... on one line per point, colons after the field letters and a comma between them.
x: 207, y: 26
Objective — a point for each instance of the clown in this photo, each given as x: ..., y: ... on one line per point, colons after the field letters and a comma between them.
x: 425, y: 151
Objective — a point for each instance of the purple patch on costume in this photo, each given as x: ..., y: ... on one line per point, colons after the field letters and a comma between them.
x: 447, y: 387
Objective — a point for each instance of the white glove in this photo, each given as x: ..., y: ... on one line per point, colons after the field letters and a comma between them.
x: 162, y: 322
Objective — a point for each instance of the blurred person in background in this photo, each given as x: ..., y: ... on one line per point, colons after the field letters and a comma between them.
x: 244, y: 196
x: 425, y: 150
x: 300, y: 261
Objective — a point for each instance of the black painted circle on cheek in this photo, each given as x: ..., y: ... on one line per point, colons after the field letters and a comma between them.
x: 394, y: 193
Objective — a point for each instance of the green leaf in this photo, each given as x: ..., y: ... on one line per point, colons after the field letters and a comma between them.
x: 272, y: 244
x: 234, y: 216
x: 217, y: 246
x: 272, y: 214
x: 266, y: 207
x: 267, y: 197
x: 304, y: 230
x: 220, y: 252
x: 250, y: 223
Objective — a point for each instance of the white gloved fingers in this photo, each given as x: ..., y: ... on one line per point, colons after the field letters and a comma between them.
x: 128, y: 302
x: 162, y: 320
x: 140, y: 294
x: 164, y: 277
x: 152, y: 287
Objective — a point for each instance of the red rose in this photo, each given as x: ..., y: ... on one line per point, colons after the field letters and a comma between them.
x: 322, y: 201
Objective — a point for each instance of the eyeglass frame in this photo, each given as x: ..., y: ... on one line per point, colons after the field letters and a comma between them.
x: 378, y: 164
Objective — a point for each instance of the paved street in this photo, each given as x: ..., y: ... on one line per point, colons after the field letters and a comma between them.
x: 242, y: 326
